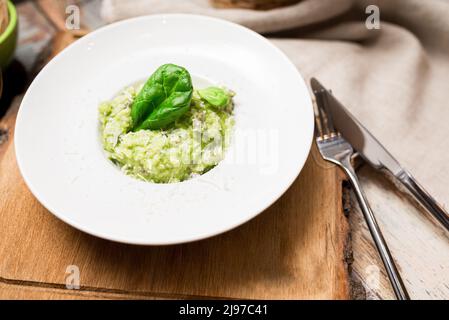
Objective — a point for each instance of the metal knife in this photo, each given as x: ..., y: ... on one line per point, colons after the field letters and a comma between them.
x: 376, y: 155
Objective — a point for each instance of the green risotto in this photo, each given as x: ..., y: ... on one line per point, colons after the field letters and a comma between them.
x: 189, y: 144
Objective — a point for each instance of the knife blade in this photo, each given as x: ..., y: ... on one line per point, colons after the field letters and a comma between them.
x: 374, y: 153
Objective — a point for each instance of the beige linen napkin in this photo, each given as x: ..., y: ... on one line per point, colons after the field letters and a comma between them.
x: 395, y: 80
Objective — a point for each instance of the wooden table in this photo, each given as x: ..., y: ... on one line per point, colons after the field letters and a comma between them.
x: 418, y: 244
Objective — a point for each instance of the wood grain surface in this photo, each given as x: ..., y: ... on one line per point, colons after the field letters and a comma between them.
x: 295, y: 249
x: 298, y: 248
x: 418, y: 243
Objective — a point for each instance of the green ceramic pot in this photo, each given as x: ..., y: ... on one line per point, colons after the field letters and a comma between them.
x: 8, y: 39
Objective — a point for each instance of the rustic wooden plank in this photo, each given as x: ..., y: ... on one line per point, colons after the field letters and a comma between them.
x: 21, y: 291
x: 295, y: 249
x: 418, y: 244
x: 290, y: 251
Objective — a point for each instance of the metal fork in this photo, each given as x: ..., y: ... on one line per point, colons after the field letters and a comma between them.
x: 334, y: 148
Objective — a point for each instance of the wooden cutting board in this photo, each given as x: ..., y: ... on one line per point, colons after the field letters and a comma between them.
x: 296, y: 249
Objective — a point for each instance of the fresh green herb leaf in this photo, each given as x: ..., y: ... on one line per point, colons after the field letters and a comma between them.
x: 163, y: 99
x: 215, y: 96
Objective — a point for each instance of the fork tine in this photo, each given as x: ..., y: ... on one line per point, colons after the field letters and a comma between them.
x: 321, y: 114
x: 318, y: 126
x: 322, y: 120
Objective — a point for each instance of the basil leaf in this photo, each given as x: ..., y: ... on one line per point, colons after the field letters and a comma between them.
x: 168, y: 111
x: 163, y: 99
x: 215, y: 96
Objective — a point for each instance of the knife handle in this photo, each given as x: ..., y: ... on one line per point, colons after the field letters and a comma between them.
x: 382, y: 247
x: 424, y: 198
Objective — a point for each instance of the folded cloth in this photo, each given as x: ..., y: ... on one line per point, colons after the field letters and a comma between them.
x: 303, y: 13
x: 395, y: 79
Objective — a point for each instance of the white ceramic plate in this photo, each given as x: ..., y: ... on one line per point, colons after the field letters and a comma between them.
x: 61, y: 158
